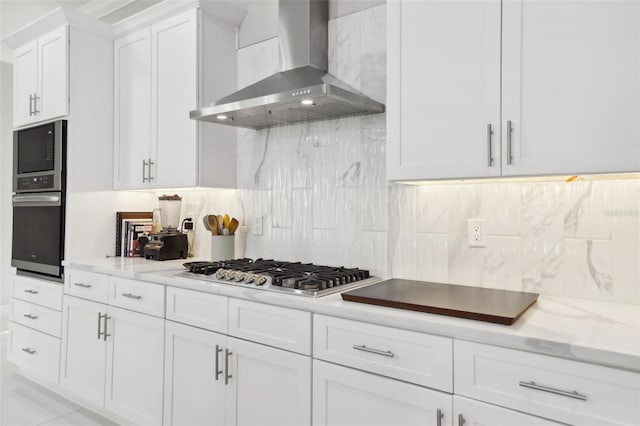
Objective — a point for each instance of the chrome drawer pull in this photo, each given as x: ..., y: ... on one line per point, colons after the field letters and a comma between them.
x: 131, y: 296
x: 461, y: 420
x: 570, y: 394
x: 227, y: 376
x: 31, y: 291
x: 83, y: 285
x: 373, y: 351
x: 489, y: 148
x: 29, y: 351
x: 30, y: 316
x: 509, y: 132
x: 439, y: 416
x: 218, y: 371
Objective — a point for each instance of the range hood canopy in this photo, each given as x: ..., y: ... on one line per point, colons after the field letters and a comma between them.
x: 302, y: 90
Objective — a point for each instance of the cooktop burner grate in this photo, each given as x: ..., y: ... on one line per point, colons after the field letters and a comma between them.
x: 291, y: 277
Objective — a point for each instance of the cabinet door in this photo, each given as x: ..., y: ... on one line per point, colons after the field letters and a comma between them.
x: 343, y: 396
x: 194, y: 376
x: 174, y: 89
x: 135, y: 355
x: 25, y: 83
x: 475, y: 413
x: 443, y: 97
x: 83, y: 349
x: 266, y: 386
x: 571, y: 80
x: 132, y: 119
x: 53, y: 75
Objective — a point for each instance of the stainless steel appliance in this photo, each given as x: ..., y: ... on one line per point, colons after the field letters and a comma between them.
x: 303, y: 279
x: 302, y: 90
x: 39, y: 199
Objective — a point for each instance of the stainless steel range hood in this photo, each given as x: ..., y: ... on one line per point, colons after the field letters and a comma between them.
x: 302, y: 90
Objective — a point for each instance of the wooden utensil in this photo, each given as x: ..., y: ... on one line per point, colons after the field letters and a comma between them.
x: 213, y: 224
x: 220, y: 223
x: 226, y: 221
x: 233, y: 225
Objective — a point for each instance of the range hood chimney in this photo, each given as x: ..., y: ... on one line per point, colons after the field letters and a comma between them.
x: 301, y: 90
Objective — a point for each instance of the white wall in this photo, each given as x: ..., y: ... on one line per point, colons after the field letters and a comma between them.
x: 6, y: 166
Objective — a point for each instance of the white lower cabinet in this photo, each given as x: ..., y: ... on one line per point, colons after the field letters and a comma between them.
x: 344, y: 396
x: 267, y: 386
x: 194, y: 376
x: 84, y: 352
x: 468, y: 412
x: 213, y: 379
x: 135, y: 360
x: 113, y: 358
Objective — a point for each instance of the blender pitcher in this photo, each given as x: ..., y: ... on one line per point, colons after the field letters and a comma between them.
x: 169, y: 212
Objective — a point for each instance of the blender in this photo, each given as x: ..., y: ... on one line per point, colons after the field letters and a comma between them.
x: 169, y: 243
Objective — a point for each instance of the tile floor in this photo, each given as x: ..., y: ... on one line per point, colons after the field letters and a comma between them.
x: 23, y: 403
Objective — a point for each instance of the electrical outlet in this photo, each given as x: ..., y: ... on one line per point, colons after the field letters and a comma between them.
x: 475, y: 233
x: 257, y: 225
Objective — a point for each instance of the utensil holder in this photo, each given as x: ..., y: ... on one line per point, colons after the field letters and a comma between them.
x: 223, y: 247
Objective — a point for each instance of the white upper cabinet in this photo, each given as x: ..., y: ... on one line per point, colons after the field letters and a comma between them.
x: 443, y: 90
x: 132, y: 131
x: 41, y: 78
x: 158, y: 74
x: 571, y: 86
x: 513, y: 88
x: 174, y: 82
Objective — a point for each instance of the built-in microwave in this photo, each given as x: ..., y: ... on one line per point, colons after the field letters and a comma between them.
x: 39, y: 169
x: 39, y: 157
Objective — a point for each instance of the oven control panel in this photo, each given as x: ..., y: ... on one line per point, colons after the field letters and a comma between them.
x: 40, y: 182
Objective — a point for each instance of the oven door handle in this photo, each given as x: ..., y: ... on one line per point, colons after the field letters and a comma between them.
x: 30, y: 200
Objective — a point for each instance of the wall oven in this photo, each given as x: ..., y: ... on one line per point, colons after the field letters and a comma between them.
x: 39, y: 199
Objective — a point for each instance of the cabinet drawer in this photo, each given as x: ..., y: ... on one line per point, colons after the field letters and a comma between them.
x: 138, y: 296
x: 199, y: 309
x: 272, y: 325
x: 406, y: 355
x: 568, y: 391
x: 34, y: 352
x: 87, y: 285
x: 43, y: 319
x: 43, y: 293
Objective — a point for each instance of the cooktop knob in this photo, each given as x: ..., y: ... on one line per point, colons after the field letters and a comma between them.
x: 260, y: 280
x: 221, y: 273
x: 238, y: 276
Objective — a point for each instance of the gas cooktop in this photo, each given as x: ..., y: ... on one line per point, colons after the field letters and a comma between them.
x: 304, y: 279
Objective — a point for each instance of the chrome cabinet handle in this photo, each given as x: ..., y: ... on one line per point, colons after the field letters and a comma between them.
x: 439, y: 416
x: 144, y: 174
x: 31, y: 291
x: 30, y: 104
x: 99, y: 321
x: 364, y: 348
x: 30, y: 316
x: 35, y: 104
x: 105, y: 334
x: 29, y: 351
x: 461, y: 420
x: 150, y: 178
x: 227, y: 376
x: 131, y: 296
x: 218, y: 371
x: 489, y: 147
x: 509, y: 132
x: 83, y: 285
x: 570, y: 394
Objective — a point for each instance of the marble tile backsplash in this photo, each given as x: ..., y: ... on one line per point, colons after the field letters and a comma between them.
x: 321, y: 191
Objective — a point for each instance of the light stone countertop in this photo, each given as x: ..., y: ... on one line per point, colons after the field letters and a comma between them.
x: 598, y: 332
